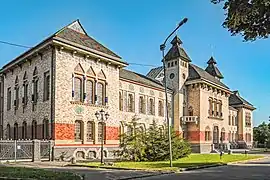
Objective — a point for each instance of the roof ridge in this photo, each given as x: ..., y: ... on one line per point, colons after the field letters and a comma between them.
x: 153, y: 80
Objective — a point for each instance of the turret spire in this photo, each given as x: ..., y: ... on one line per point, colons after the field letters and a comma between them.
x: 212, y: 68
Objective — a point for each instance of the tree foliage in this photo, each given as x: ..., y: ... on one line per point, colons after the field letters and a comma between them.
x: 150, y: 145
x: 249, y: 18
x: 261, y: 134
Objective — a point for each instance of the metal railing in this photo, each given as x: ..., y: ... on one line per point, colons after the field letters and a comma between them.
x: 25, y: 150
x: 190, y: 119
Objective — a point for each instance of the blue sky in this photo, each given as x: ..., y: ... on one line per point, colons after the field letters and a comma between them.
x: 135, y: 29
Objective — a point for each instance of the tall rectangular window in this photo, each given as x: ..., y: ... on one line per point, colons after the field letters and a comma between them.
x: 46, y: 92
x: 35, y: 90
x: 25, y: 93
x: 8, y: 98
x: 16, y: 102
x: 131, y: 103
x: 100, y: 94
x: 78, y: 89
x: 78, y: 131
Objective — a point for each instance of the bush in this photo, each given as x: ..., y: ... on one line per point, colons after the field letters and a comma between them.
x: 151, y: 145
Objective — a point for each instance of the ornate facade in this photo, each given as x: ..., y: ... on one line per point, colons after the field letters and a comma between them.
x: 53, y: 90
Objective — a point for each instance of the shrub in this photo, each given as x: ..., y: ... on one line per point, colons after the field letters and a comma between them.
x: 152, y: 145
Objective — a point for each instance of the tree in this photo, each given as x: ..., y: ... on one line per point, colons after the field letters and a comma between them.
x: 261, y: 134
x: 249, y: 18
x: 132, y: 146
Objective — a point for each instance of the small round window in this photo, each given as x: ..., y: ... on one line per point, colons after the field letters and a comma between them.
x: 172, y: 75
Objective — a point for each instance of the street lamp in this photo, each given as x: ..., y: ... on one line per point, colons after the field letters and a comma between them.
x: 162, y: 48
x: 102, y: 116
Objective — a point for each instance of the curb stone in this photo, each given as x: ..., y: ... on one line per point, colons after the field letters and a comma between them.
x: 203, y: 167
x: 146, y: 175
x: 246, y: 161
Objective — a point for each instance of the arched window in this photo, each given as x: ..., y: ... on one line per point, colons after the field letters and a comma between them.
x: 8, y: 132
x: 90, y: 91
x: 160, y: 108
x: 78, y: 91
x: 229, y: 119
x: 25, y: 89
x: 35, y: 86
x: 34, y: 129
x: 215, y: 107
x: 90, y: 131
x: 120, y: 101
x: 16, y: 98
x: 220, y: 108
x: 78, y: 130
x: 141, y: 105
x: 230, y: 136
x: 190, y: 111
x: 24, y: 130
x: 151, y: 106
x: 16, y: 131
x: 222, y: 138
x: 100, y: 93
x: 210, y: 107
x: 101, y: 131
x: 45, y: 129
x: 207, y: 134
x: 130, y: 103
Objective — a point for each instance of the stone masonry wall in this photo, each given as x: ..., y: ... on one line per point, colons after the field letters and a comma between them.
x: 67, y: 111
x: 42, y: 110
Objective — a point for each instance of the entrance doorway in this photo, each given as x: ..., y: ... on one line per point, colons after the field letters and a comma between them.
x: 216, y: 137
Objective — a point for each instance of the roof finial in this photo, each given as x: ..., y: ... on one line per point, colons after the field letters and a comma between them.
x: 212, y: 50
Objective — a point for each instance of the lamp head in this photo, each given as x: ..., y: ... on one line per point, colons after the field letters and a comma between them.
x: 97, y: 115
x: 107, y: 115
x: 102, y: 112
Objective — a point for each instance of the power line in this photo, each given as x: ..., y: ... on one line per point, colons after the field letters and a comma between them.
x: 13, y: 44
x: 23, y: 46
x: 150, y: 65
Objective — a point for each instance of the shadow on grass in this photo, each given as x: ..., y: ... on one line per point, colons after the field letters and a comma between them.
x: 180, y: 164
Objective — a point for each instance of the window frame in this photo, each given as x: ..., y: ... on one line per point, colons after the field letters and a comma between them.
x: 46, y: 86
x: 90, y: 132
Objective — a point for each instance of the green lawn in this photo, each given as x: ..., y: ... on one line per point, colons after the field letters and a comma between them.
x: 16, y: 172
x: 191, y: 161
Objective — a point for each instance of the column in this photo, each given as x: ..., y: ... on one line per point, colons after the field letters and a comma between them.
x: 36, y: 151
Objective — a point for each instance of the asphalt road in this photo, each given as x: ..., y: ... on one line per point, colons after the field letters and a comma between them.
x: 257, y: 170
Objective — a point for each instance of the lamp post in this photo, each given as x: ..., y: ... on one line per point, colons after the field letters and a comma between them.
x: 102, y: 117
x: 162, y: 48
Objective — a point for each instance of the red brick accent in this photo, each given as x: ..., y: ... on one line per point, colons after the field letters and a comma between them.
x: 64, y: 131
x: 112, y: 133
x: 196, y: 136
x: 88, y: 145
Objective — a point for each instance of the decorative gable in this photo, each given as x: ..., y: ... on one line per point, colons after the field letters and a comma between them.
x: 79, y: 68
x: 76, y: 26
x: 91, y: 72
x: 101, y: 74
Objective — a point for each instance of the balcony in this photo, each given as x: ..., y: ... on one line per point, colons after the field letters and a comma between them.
x: 190, y: 119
